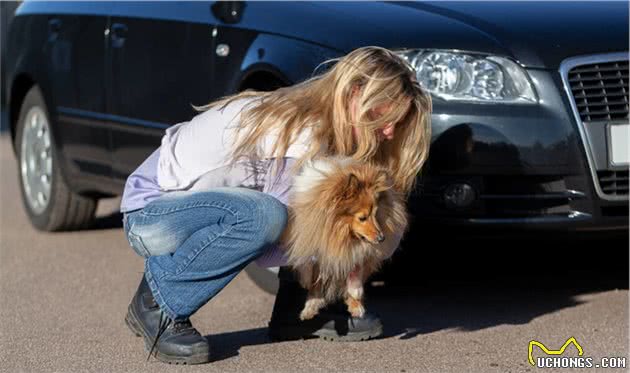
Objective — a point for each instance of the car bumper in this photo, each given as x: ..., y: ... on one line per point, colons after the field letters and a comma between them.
x: 514, y: 166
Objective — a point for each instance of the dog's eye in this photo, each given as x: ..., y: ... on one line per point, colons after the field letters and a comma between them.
x: 362, y: 218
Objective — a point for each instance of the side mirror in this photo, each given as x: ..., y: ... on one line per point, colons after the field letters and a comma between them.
x: 228, y: 11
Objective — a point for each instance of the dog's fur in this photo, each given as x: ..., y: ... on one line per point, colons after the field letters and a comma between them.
x: 344, y: 220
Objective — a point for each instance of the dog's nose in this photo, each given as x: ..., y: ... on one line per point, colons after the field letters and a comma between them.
x: 380, y: 237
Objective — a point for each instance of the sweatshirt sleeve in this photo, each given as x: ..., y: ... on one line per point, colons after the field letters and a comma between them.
x: 278, y: 186
x: 191, y: 149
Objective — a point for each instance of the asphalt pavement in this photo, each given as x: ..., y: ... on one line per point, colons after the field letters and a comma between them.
x: 63, y: 297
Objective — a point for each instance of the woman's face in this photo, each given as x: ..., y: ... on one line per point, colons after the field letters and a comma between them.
x: 384, y: 133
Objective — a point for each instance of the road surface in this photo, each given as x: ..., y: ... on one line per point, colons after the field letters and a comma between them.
x: 63, y: 297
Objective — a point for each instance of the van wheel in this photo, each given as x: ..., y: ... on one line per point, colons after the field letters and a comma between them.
x: 49, y: 203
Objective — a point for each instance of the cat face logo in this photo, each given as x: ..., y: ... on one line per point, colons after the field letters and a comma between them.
x: 553, y: 352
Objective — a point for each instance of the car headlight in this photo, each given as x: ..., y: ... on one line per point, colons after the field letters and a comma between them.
x: 460, y: 76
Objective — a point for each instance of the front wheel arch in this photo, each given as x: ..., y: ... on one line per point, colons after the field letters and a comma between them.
x: 262, y: 77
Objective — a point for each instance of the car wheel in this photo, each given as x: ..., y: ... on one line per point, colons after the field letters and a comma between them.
x: 49, y: 203
x: 264, y: 278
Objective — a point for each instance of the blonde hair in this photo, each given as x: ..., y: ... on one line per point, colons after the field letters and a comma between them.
x: 322, y: 104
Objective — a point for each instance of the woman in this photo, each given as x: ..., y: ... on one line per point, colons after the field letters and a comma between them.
x: 212, y: 198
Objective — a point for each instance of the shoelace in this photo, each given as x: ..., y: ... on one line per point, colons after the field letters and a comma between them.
x: 164, y: 323
x: 180, y: 325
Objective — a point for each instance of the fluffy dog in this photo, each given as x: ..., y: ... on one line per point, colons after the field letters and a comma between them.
x: 344, y: 220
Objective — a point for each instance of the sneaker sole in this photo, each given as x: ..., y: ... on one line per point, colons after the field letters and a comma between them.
x: 134, y: 326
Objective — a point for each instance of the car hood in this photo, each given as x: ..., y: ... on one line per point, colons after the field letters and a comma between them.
x: 539, y: 34
x: 542, y: 34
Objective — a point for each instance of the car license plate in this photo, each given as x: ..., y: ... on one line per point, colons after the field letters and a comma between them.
x: 618, y: 140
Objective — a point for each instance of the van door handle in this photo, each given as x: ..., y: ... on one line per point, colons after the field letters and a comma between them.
x: 118, y: 34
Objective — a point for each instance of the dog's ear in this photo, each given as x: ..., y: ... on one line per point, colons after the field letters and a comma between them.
x: 353, y: 187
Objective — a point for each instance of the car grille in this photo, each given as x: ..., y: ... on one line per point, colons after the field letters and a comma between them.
x: 614, y: 182
x: 601, y: 91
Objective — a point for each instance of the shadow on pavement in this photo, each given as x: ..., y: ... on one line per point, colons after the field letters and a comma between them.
x: 475, y: 284
x: 111, y: 221
x: 227, y: 345
x: 468, y: 288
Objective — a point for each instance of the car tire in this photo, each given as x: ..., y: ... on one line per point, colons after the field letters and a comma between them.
x: 47, y: 199
x: 265, y: 278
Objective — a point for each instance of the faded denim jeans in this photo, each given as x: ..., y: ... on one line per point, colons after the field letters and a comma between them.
x: 195, y: 243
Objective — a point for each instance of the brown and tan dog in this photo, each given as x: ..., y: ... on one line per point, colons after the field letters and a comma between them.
x: 344, y: 220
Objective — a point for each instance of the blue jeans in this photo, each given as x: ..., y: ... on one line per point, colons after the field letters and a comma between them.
x: 195, y: 243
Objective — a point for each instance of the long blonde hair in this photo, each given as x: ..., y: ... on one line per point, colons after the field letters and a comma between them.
x: 322, y: 105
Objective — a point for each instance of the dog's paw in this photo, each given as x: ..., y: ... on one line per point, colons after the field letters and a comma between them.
x: 307, y: 314
x: 356, y: 308
x: 358, y: 312
x: 356, y: 292
x: 311, y: 308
